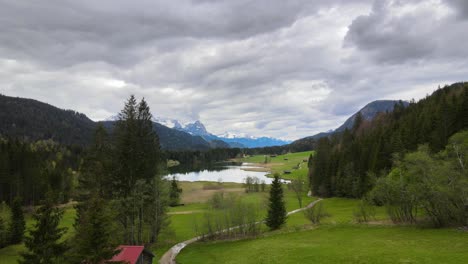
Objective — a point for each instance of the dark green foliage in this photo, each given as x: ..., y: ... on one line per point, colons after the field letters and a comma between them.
x: 28, y: 170
x: 34, y: 120
x: 276, y: 210
x: 43, y: 243
x: 3, y: 233
x: 95, y: 171
x: 95, y: 236
x: 17, y: 223
x: 136, y: 181
x: 137, y: 153
x: 200, y: 159
x: 174, y: 194
x: 347, y: 163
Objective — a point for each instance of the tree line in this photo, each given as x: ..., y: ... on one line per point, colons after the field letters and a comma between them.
x: 351, y: 163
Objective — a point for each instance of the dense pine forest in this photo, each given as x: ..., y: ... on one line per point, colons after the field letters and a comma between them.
x: 351, y: 163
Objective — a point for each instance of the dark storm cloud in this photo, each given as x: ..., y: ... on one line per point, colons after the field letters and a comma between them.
x: 460, y: 7
x: 63, y: 33
x: 276, y: 68
x: 414, y: 30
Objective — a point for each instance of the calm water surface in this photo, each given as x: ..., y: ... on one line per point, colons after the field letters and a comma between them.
x: 222, y: 173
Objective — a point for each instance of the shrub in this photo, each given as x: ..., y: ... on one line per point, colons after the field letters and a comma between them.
x: 364, y: 212
x: 316, y: 213
x: 230, y: 218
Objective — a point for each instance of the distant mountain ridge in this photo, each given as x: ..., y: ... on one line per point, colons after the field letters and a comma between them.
x: 197, y: 128
x: 368, y: 112
x: 33, y: 120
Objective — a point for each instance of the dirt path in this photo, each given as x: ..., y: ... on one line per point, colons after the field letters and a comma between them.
x: 170, y: 255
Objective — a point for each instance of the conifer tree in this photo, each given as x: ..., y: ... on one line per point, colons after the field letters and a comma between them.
x: 137, y: 157
x: 43, y: 244
x: 277, y: 210
x: 17, y: 223
x: 174, y: 194
x: 93, y: 242
x: 96, y: 167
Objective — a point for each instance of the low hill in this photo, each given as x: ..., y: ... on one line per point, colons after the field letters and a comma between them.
x: 368, y: 113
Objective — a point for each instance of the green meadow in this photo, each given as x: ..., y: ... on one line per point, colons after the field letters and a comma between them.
x: 338, y: 239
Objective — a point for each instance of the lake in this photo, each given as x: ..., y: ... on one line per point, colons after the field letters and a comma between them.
x: 229, y: 172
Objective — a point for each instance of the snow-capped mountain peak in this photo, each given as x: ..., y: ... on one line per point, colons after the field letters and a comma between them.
x: 235, y: 135
x: 233, y: 139
x: 196, y: 128
x: 171, y: 123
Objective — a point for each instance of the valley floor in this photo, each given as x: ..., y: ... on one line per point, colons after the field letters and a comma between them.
x: 337, y: 240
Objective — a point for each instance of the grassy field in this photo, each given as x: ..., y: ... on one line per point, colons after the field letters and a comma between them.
x: 339, y: 239
x: 338, y: 244
x: 183, y: 217
x: 294, y: 162
x: 194, y: 197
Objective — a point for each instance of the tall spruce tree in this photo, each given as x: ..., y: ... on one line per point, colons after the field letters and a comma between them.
x: 174, y: 194
x: 43, y: 244
x: 96, y: 168
x: 94, y: 240
x: 137, y: 157
x: 277, y: 210
x: 17, y: 223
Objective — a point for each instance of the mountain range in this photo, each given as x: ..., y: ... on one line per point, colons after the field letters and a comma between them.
x: 33, y: 120
x: 233, y: 140
x: 30, y: 119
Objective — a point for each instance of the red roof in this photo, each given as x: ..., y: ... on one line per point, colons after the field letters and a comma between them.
x: 128, y: 254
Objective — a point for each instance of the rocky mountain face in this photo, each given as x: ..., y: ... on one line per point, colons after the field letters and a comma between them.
x: 232, y: 140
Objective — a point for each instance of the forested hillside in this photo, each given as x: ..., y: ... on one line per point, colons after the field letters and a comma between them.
x: 347, y: 164
x: 31, y: 120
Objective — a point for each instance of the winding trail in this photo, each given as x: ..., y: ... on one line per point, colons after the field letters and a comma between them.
x: 170, y: 255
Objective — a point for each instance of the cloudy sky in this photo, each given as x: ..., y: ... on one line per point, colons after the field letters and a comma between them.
x: 285, y: 69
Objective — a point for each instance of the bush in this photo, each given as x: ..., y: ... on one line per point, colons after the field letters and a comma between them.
x: 230, y: 218
x: 217, y: 200
x: 316, y: 213
x: 364, y: 212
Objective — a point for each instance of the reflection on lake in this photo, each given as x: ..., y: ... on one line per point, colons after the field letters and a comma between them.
x: 228, y: 172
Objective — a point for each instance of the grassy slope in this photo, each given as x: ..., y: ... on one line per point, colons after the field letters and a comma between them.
x: 337, y: 240
x: 338, y: 244
x: 279, y: 164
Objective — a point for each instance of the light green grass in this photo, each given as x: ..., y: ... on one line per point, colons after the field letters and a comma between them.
x: 338, y: 244
x: 338, y: 240
x: 279, y: 164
